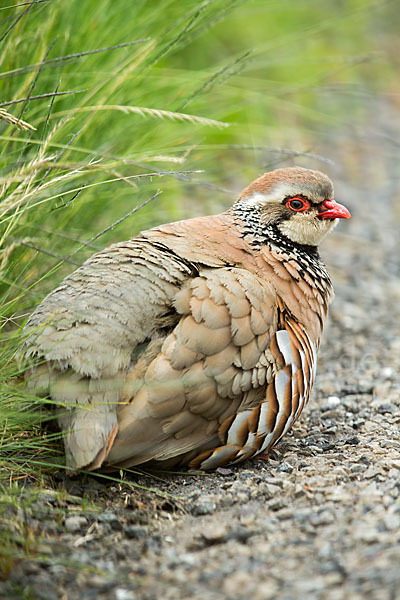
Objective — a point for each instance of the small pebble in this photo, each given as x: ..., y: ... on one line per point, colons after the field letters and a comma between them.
x: 333, y: 401
x: 74, y: 524
x: 122, y: 594
x: 111, y: 519
x: 203, y: 507
x: 134, y: 532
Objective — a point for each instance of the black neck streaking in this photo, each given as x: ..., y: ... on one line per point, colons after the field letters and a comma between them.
x: 260, y: 234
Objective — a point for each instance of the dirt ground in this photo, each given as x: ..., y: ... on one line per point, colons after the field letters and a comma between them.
x: 320, y: 519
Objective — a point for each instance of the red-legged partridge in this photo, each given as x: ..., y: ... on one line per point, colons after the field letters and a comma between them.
x: 195, y: 342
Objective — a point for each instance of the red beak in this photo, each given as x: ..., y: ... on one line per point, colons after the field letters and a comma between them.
x: 334, y: 211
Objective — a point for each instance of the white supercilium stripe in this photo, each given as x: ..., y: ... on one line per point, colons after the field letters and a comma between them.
x: 277, y: 194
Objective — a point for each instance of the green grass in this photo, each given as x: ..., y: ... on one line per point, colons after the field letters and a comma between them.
x: 109, y: 101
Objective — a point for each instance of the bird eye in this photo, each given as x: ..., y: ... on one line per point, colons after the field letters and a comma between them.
x: 297, y: 204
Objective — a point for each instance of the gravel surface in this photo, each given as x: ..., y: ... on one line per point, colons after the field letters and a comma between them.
x: 319, y: 520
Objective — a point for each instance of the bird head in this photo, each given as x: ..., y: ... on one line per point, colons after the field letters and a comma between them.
x: 297, y: 202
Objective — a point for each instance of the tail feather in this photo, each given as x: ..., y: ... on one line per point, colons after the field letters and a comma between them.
x: 89, y: 430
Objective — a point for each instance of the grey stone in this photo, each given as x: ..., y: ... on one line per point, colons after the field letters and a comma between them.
x: 135, y: 532
x: 123, y: 594
x: 75, y: 523
x: 203, y: 507
x: 111, y: 519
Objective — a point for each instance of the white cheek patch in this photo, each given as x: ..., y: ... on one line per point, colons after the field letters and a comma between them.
x: 308, y: 231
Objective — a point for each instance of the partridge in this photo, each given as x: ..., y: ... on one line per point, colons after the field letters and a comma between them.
x: 194, y: 343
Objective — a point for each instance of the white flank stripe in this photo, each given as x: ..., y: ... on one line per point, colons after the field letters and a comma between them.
x: 288, y: 424
x: 266, y: 442
x: 290, y: 418
x: 305, y: 380
x: 233, y: 429
x: 284, y: 345
x: 280, y: 383
x: 262, y: 420
x: 249, y: 444
x: 262, y: 426
x: 295, y: 392
x: 314, y: 359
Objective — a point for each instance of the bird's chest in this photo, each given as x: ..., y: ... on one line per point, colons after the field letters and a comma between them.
x: 302, y: 287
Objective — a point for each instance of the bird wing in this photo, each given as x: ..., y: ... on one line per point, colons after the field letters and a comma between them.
x: 223, y: 379
x: 82, y: 337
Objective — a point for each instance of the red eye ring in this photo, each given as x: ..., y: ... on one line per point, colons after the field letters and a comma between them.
x: 297, y: 204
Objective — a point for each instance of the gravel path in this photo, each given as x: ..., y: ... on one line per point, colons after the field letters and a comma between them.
x: 319, y: 520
